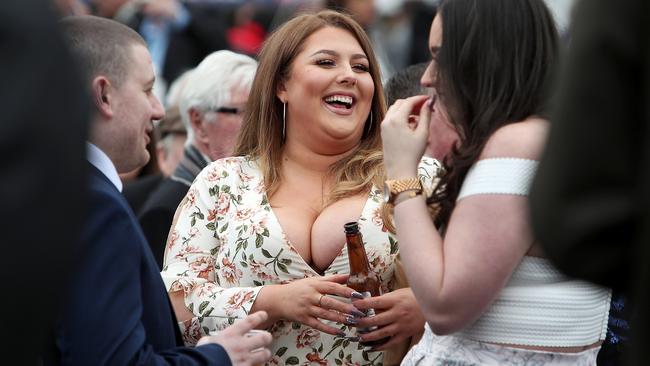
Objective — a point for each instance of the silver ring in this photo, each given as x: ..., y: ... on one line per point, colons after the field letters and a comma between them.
x: 320, y: 299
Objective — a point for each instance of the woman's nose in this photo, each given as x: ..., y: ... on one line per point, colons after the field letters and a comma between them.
x: 427, y: 77
x: 347, y: 77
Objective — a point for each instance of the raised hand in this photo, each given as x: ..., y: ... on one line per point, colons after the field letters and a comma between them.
x: 404, y: 133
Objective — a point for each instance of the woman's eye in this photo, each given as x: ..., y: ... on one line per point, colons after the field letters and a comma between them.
x: 325, y: 62
x: 361, y: 67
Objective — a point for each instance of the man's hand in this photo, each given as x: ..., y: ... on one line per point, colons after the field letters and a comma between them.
x: 245, y: 345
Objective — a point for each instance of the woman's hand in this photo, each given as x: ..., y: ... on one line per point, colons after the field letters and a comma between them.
x: 308, y: 300
x: 404, y: 132
x: 398, y: 316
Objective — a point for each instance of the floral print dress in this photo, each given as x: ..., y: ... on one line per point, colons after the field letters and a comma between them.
x: 227, y: 243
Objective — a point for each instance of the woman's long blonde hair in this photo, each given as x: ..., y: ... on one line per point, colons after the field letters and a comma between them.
x: 261, y: 134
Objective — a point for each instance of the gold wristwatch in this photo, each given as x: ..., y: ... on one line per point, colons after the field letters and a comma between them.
x: 392, y: 188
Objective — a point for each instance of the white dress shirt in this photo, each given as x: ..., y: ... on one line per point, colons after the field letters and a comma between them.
x: 101, y: 161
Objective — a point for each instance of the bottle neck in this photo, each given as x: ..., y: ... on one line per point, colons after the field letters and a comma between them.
x: 357, y: 254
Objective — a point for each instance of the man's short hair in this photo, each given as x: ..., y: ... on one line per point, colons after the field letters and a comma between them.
x: 103, y: 46
x: 405, y: 83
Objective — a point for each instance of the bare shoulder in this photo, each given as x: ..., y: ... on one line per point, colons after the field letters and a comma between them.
x: 523, y: 139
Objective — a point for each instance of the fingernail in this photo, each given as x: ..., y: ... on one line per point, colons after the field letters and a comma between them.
x: 357, y: 295
x: 358, y: 314
x: 351, y: 320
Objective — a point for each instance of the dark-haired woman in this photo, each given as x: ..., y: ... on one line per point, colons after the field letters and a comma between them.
x: 488, y: 295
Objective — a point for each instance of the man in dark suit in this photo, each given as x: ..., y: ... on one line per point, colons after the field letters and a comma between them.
x: 117, y: 311
x: 590, y: 200
x: 211, y: 106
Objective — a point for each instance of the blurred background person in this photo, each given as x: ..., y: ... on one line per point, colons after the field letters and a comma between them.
x: 211, y: 106
x: 264, y: 229
x: 45, y: 112
x: 488, y: 294
x: 171, y: 136
x: 173, y: 96
x: 405, y: 83
x: 590, y: 211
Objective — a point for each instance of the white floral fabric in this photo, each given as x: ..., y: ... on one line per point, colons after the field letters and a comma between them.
x: 227, y: 243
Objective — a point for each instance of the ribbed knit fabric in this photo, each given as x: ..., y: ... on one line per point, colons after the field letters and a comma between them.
x: 539, y: 306
x: 542, y: 307
x: 499, y: 176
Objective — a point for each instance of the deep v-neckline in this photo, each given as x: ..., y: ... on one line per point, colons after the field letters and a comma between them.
x: 288, y: 242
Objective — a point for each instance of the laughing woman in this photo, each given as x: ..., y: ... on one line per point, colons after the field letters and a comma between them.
x: 264, y: 230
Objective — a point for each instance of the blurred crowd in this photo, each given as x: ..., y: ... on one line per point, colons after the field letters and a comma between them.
x: 180, y: 33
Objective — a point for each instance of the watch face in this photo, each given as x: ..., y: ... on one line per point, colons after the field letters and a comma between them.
x: 386, y: 193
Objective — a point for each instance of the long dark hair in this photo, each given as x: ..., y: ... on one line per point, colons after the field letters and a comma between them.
x: 494, y: 67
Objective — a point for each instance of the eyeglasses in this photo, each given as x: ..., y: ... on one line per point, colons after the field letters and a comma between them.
x: 229, y: 110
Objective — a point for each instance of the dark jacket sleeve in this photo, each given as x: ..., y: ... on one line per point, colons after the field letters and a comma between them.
x: 103, y: 324
x: 588, y: 193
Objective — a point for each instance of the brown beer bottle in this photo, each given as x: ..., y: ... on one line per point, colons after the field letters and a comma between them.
x: 361, y: 279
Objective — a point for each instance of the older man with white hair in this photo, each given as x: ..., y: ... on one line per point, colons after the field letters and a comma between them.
x: 211, y: 107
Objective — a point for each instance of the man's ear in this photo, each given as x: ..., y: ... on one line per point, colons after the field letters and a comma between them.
x: 102, y: 96
x: 196, y: 122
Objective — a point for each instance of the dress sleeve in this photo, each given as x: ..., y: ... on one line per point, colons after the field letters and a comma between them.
x: 191, y: 252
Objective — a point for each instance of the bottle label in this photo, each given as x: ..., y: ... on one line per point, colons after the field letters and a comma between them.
x: 369, y: 313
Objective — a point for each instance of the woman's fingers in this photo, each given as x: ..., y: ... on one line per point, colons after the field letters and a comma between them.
x: 317, y: 324
x: 379, y: 333
x: 400, y: 111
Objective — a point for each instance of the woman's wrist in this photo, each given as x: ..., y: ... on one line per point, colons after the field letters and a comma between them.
x: 266, y: 300
x: 406, y: 195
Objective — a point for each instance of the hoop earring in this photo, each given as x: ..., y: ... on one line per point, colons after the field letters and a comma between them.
x: 284, y: 121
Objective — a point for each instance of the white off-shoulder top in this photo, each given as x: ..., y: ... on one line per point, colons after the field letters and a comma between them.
x: 539, y: 306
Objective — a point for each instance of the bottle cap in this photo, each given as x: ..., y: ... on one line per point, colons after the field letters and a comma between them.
x: 351, y: 227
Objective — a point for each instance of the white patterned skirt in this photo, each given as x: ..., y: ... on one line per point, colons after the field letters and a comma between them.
x: 435, y: 350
